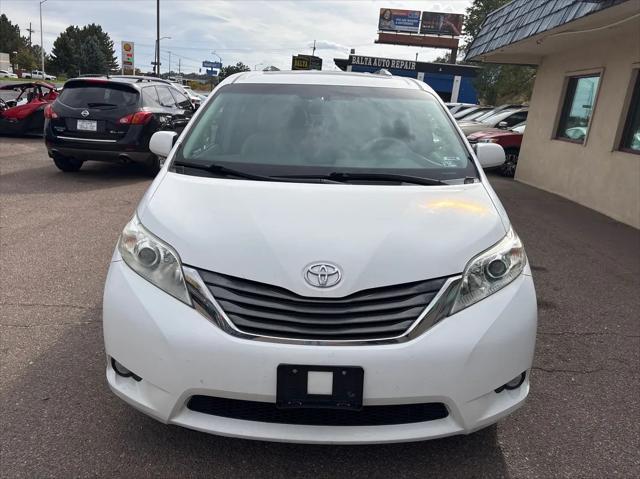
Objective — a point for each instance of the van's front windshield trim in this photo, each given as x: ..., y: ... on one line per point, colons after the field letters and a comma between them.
x: 396, y: 146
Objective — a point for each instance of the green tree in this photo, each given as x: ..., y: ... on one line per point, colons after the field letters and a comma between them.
x: 496, y: 83
x: 65, y: 53
x: 231, y: 69
x: 10, y: 39
x: 92, y: 57
x: 72, y: 47
x: 104, y: 43
x: 26, y: 60
x: 475, y: 16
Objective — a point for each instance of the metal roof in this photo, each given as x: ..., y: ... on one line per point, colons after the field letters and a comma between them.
x: 522, y: 19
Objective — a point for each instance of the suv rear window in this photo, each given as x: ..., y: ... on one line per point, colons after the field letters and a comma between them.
x: 85, y: 94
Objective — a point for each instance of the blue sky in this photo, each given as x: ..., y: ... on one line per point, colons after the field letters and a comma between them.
x: 257, y: 33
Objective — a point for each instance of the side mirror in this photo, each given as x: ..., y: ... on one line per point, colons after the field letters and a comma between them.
x: 490, y: 155
x: 162, y: 142
x: 503, y: 125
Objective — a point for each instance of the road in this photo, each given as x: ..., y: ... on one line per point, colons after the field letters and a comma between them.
x: 58, y: 418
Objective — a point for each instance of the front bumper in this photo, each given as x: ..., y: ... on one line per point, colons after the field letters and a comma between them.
x: 178, y: 354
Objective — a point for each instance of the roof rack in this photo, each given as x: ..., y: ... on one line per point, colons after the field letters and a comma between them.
x: 142, y: 78
x: 93, y: 75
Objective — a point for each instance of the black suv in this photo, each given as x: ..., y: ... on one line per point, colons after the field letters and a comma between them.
x: 111, y: 119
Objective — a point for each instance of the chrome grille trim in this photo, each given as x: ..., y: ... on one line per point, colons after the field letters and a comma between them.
x: 209, y: 307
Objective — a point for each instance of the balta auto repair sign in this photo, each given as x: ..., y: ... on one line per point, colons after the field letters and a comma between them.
x: 382, y: 62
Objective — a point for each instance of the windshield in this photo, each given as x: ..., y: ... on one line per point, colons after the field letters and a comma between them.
x: 494, y: 117
x: 478, y: 115
x: 316, y: 129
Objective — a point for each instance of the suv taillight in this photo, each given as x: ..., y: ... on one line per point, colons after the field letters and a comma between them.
x: 49, y: 113
x: 137, y: 118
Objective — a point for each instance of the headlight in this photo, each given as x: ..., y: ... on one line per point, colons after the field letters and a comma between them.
x: 153, y: 259
x: 491, y: 271
x: 488, y: 140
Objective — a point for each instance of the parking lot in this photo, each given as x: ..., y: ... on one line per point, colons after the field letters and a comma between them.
x: 59, y: 419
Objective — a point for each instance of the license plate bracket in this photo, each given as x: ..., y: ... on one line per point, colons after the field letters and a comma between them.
x: 294, y: 385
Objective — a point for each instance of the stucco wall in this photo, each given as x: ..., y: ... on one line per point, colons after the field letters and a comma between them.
x: 594, y: 174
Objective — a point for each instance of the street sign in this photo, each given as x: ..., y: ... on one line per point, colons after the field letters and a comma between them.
x: 210, y: 65
x: 212, y: 73
x: 306, y: 62
x: 128, y: 60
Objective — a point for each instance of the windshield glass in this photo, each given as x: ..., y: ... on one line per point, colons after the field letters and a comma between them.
x: 84, y: 94
x: 479, y: 114
x: 494, y: 117
x: 316, y: 129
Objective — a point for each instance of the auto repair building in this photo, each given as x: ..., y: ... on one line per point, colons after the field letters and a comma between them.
x: 452, y: 82
x: 582, y: 139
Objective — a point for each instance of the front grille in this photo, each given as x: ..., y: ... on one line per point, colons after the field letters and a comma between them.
x: 268, y: 310
x: 367, y: 416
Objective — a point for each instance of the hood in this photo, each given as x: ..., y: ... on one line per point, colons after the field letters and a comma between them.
x: 491, y: 133
x: 473, y: 127
x: 270, y: 232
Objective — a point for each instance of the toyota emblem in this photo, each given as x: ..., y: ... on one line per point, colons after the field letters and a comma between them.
x: 322, y: 275
x: 84, y: 113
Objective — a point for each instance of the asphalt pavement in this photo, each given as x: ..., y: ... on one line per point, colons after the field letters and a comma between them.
x: 59, y: 419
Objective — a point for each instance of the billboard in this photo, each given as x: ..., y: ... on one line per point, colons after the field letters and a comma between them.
x: 394, y: 20
x: 128, y: 59
x: 306, y: 62
x: 434, y: 23
x: 210, y: 64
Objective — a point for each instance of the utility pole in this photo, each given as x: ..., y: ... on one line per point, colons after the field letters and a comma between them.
x: 41, y: 40
x: 157, y: 37
x: 179, y: 72
x: 169, y: 61
x: 30, y: 30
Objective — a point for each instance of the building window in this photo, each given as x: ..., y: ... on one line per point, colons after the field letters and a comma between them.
x: 631, y: 133
x: 577, y: 108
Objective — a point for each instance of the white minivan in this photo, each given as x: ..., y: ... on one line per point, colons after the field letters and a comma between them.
x: 321, y: 259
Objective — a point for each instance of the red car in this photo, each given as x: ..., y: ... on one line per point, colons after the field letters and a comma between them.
x: 510, y: 140
x: 24, y: 114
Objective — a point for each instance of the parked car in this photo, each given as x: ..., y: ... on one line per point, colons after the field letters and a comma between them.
x: 7, y: 74
x: 196, y: 100
x: 38, y: 75
x: 482, y: 114
x: 466, y: 112
x: 456, y: 107
x: 503, y: 119
x: 510, y: 140
x: 110, y: 119
x: 24, y: 114
x: 314, y: 264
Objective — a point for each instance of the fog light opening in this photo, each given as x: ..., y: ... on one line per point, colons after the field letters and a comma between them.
x: 122, y: 371
x: 515, y: 383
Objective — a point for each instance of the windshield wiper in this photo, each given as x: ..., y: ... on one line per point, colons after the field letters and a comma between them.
x: 344, y: 177
x: 217, y: 169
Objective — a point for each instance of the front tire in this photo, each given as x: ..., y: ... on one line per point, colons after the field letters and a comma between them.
x: 68, y: 165
x: 508, y: 169
x: 153, y: 166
